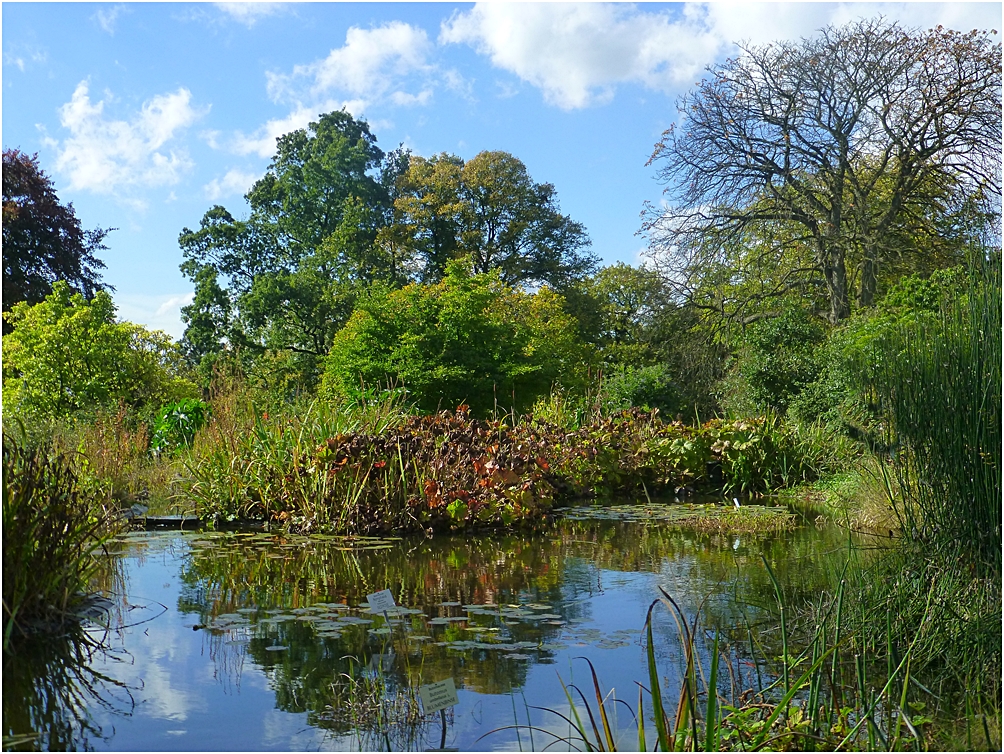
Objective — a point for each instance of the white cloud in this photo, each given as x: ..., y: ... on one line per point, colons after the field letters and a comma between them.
x: 578, y: 54
x: 107, y: 16
x: 249, y: 13
x: 155, y: 312
x: 374, y: 65
x: 233, y: 183
x: 371, y: 63
x: 23, y: 56
x: 105, y: 155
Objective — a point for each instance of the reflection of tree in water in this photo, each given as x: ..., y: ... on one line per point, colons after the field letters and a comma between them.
x: 51, y: 689
x: 226, y: 573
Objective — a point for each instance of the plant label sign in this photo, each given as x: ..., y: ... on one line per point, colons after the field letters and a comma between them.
x: 437, y: 696
x: 381, y: 601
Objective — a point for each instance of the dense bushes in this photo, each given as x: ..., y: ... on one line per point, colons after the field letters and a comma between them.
x: 468, y: 339
x: 68, y: 354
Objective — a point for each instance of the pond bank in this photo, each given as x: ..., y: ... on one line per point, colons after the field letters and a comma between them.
x: 450, y: 471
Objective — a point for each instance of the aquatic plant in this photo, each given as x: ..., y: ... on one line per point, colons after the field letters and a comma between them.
x: 812, y: 701
x: 938, y: 381
x: 52, y: 534
x: 333, y: 469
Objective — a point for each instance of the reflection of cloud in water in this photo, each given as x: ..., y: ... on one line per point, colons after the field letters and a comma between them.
x: 282, y: 730
x: 151, y: 673
x: 551, y: 731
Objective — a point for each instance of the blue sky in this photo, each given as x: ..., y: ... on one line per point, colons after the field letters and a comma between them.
x: 147, y: 114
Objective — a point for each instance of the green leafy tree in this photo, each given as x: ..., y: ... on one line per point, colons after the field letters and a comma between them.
x: 780, y: 356
x: 68, y: 354
x: 286, y: 278
x: 468, y: 339
x: 490, y: 210
x: 43, y: 240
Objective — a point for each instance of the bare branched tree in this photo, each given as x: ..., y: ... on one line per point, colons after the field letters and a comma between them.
x: 828, y: 144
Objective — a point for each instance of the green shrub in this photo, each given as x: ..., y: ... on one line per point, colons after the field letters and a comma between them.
x: 779, y: 357
x: 67, y: 354
x: 644, y: 387
x: 51, y: 536
x: 468, y: 339
x: 176, y: 423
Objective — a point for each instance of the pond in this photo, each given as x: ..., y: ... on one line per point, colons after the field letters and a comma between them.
x: 257, y: 641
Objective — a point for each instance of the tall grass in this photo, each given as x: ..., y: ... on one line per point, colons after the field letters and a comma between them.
x: 831, y: 695
x: 938, y: 381
x: 248, y: 462
x: 52, y: 534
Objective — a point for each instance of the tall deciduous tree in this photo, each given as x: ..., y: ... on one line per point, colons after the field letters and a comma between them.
x: 490, y: 210
x: 43, y: 240
x: 830, y: 144
x: 286, y: 277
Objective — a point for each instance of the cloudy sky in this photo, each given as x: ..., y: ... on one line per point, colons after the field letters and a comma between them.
x: 147, y: 114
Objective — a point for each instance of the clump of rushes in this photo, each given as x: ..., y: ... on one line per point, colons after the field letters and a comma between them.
x: 51, y: 537
x: 450, y: 470
x: 823, y: 698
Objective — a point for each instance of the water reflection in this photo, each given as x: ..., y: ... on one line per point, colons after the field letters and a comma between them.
x: 51, y: 692
x: 269, y: 643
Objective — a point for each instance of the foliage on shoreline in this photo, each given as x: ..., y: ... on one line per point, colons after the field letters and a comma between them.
x: 52, y: 534
x: 331, y: 470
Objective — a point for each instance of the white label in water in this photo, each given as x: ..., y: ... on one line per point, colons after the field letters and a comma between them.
x: 380, y: 601
x: 437, y: 696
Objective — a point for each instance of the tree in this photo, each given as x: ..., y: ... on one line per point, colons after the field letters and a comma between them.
x: 286, y: 278
x: 68, y: 354
x: 467, y: 339
x: 490, y: 210
x: 42, y: 239
x: 828, y: 145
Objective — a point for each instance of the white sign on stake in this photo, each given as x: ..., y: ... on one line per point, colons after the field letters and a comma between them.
x: 381, y: 601
x: 437, y: 696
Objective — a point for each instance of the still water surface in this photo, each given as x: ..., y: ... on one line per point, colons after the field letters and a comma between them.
x: 232, y: 641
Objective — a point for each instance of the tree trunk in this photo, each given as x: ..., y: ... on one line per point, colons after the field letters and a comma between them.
x: 869, y: 281
x: 830, y: 257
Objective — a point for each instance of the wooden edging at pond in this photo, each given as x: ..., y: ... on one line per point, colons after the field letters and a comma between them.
x: 189, y: 523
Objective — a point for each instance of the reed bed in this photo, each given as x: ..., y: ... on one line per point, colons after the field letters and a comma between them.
x: 938, y: 381
x: 52, y: 537
x: 831, y: 696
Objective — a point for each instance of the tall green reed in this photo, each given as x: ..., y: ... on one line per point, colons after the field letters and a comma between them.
x: 938, y: 381
x: 52, y: 535
x: 812, y: 703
